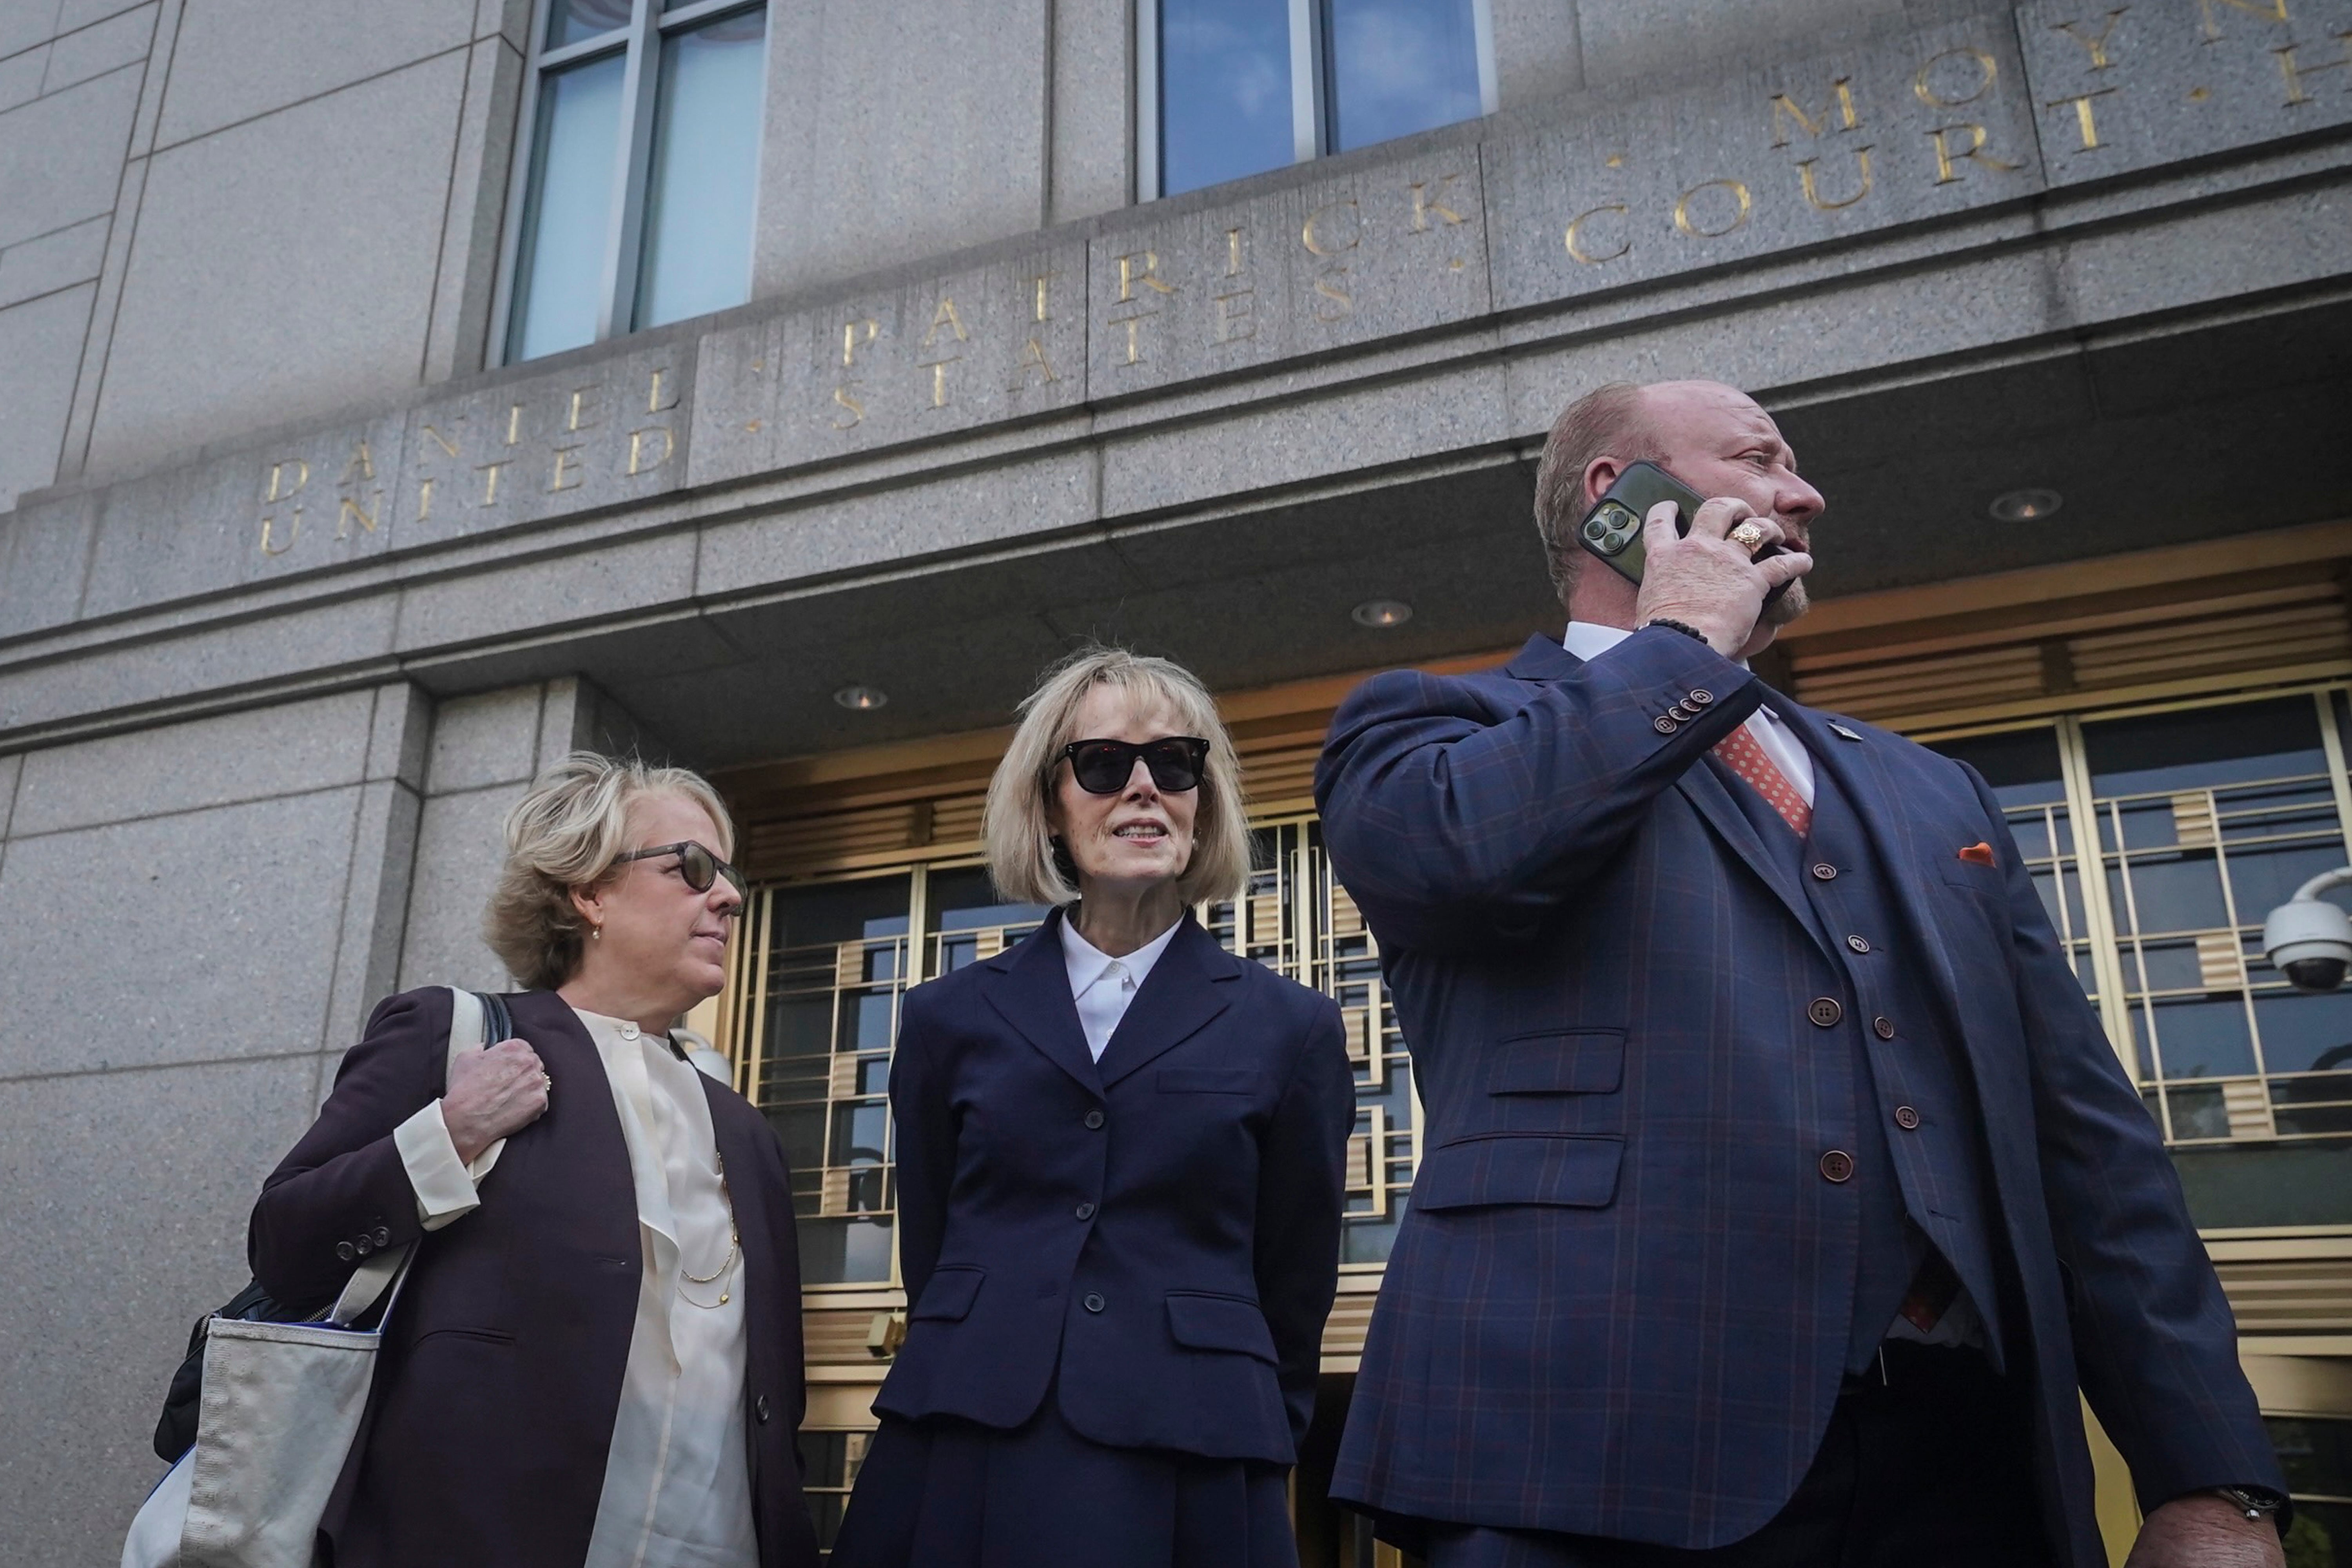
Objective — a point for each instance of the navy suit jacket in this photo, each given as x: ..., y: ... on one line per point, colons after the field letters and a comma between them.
x: 491, y: 1413
x: 1619, y: 1304
x: 1161, y: 1227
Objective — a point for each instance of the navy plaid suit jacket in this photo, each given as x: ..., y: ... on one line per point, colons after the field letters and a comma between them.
x: 1620, y: 1301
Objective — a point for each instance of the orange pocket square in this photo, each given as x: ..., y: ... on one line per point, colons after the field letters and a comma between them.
x: 1978, y: 854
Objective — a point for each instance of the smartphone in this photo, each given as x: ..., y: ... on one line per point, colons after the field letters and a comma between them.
x: 1613, y: 529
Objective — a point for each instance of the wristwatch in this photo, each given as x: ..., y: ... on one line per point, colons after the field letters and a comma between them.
x: 2254, y: 1502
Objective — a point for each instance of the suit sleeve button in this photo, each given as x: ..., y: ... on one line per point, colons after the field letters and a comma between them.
x: 1906, y: 1118
x: 1092, y: 1301
x: 383, y: 1236
x: 1700, y: 697
x: 1663, y: 725
x: 1836, y: 1166
x: 346, y: 1251
x: 364, y: 1245
x: 1094, y: 1119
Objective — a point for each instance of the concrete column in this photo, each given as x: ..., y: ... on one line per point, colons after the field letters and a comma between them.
x: 191, y: 919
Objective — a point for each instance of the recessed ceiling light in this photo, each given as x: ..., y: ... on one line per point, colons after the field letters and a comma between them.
x: 1382, y: 614
x: 2025, y: 505
x: 861, y: 698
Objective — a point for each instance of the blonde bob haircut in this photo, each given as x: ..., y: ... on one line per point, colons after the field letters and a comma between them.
x: 566, y: 834
x: 1024, y: 857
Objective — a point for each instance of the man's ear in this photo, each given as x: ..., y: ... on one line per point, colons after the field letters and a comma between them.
x: 1598, y: 475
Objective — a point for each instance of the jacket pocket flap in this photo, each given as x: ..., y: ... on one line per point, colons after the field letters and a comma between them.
x: 1211, y: 1080
x: 1519, y: 1168
x: 950, y: 1293
x: 1564, y: 1061
x: 1220, y: 1323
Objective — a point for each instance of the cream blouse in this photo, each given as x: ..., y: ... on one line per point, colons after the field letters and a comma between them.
x: 677, y: 1484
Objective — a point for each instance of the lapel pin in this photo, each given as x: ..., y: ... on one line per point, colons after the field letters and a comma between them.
x: 1839, y: 729
x: 1978, y: 854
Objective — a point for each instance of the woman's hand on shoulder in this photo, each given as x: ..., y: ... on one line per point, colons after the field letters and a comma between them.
x: 493, y: 1093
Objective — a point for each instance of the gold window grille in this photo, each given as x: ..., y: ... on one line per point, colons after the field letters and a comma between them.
x: 2160, y: 836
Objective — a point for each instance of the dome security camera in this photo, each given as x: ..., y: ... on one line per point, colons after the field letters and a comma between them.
x: 2308, y: 939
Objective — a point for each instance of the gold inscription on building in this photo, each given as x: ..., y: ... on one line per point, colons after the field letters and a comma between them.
x: 2096, y: 43
x: 1578, y: 245
x: 551, y: 443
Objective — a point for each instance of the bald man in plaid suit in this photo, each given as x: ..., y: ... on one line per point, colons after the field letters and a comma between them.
x: 1779, y: 1189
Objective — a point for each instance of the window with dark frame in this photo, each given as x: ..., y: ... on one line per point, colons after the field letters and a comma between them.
x: 635, y: 189
x: 1233, y: 87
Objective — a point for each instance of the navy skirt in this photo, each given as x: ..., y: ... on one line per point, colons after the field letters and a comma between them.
x: 944, y: 1493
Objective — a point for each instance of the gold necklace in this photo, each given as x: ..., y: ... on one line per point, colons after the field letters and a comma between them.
x: 734, y: 1245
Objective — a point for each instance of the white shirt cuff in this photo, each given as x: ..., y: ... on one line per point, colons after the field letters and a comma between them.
x: 445, y: 1186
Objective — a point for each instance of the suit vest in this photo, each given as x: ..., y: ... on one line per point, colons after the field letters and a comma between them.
x: 1919, y: 1171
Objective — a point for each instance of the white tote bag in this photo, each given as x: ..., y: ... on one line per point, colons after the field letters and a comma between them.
x: 281, y: 1405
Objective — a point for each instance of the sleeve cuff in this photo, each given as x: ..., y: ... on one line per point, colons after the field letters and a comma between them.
x: 444, y: 1188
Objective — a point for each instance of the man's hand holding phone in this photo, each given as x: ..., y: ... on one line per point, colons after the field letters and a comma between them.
x: 1709, y: 582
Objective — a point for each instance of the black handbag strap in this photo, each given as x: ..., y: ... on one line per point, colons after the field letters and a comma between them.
x: 498, y: 1023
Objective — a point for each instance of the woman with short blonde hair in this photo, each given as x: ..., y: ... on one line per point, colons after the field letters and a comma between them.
x: 1119, y: 1176
x: 1021, y: 858
x: 596, y: 1354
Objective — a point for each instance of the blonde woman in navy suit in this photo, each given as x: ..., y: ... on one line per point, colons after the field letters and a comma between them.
x: 1119, y: 1177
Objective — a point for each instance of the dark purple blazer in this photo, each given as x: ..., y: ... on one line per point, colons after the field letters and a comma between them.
x: 492, y: 1410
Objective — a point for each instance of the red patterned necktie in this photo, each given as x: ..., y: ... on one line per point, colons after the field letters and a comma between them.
x: 1742, y: 753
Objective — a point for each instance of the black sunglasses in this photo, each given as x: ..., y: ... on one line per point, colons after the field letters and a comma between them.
x: 698, y: 866
x: 1103, y: 767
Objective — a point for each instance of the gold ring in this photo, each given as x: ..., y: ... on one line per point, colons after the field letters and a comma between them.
x: 1747, y: 536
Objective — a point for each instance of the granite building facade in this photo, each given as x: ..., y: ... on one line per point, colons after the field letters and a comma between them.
x: 397, y: 397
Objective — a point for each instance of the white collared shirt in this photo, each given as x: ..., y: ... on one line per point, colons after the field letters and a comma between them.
x: 677, y: 1483
x: 1103, y: 985
x: 1589, y: 642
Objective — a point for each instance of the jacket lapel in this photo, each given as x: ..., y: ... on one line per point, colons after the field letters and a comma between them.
x: 579, y: 1136
x: 1862, y: 771
x: 1032, y: 991
x: 1184, y: 990
x: 1705, y: 790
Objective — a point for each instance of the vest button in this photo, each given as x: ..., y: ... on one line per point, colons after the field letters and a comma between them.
x: 1858, y: 943
x: 1906, y: 1118
x: 1093, y: 1302
x: 1085, y: 1211
x: 1882, y: 1028
x: 1825, y: 872
x: 1825, y: 1011
x: 1700, y: 697
x: 1663, y: 725
x: 1094, y: 1119
x: 1836, y: 1166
